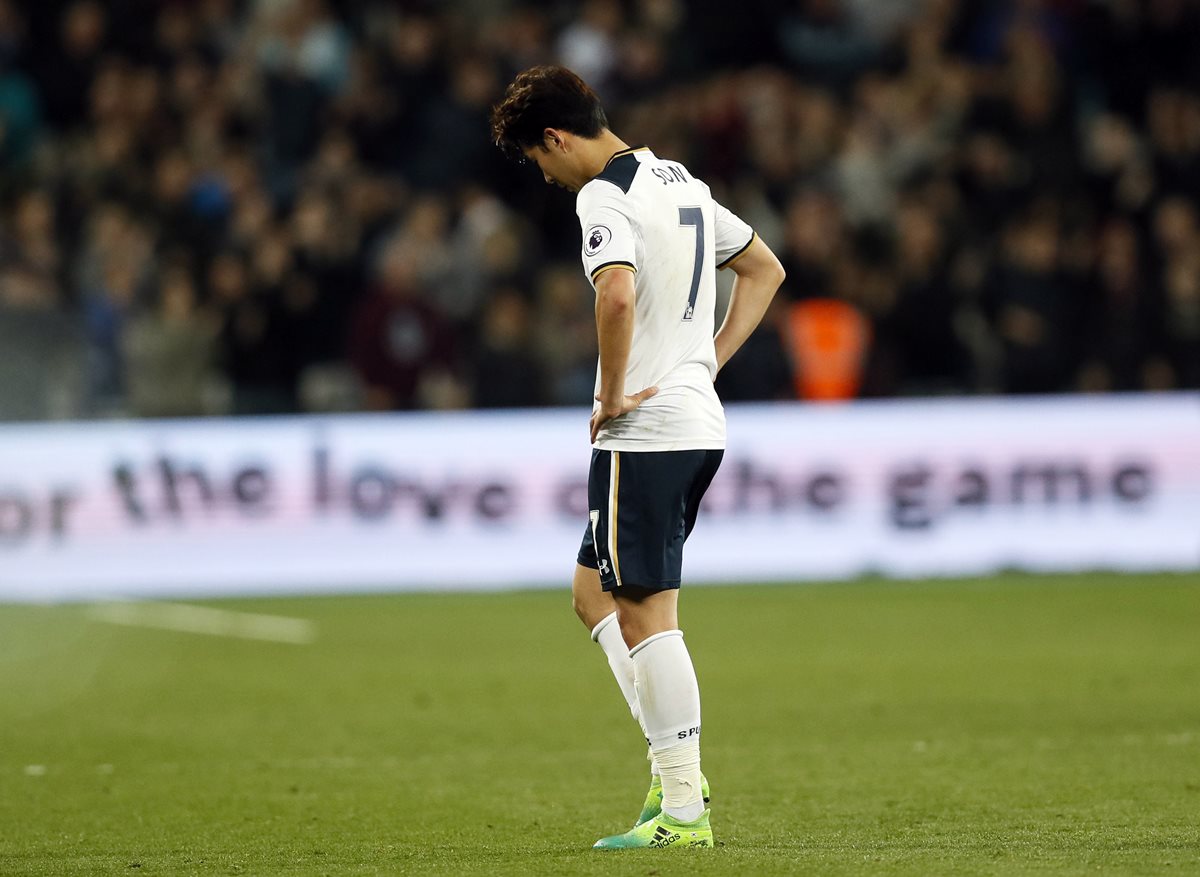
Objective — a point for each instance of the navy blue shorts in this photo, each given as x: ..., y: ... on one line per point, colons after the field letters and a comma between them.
x: 643, y: 506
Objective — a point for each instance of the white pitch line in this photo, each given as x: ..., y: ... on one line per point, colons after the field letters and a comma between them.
x: 206, y: 620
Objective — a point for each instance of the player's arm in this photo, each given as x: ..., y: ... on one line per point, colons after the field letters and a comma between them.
x: 615, y: 299
x: 759, y: 275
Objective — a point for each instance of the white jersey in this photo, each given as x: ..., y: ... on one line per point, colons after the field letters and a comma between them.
x: 650, y: 215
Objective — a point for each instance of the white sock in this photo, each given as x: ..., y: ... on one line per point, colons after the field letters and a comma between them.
x: 683, y: 797
x: 669, y: 698
x: 608, y: 634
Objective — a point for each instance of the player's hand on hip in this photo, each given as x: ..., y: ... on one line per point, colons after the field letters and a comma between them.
x: 602, y: 415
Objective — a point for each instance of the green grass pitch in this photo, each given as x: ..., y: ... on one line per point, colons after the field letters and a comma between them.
x: 1016, y: 725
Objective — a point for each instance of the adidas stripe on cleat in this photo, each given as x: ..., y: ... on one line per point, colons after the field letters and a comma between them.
x: 662, y: 832
x: 653, y: 805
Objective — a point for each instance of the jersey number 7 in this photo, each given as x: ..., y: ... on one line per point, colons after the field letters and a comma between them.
x: 694, y: 217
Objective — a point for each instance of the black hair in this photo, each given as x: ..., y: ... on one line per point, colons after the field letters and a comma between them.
x: 545, y: 97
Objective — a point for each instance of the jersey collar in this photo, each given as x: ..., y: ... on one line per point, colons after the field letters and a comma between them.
x: 627, y: 151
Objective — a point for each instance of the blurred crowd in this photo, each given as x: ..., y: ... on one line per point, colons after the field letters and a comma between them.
x: 264, y: 206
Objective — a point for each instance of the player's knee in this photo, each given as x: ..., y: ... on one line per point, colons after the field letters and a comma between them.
x: 580, y: 607
x: 588, y: 599
x: 641, y: 618
x: 591, y: 609
x: 633, y: 628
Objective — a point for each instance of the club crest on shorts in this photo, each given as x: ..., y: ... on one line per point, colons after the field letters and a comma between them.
x: 596, y: 239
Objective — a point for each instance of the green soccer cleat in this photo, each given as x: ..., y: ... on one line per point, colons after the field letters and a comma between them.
x: 653, y: 805
x: 661, y: 832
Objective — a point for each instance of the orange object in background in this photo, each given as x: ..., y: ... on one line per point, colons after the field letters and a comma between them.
x: 829, y: 341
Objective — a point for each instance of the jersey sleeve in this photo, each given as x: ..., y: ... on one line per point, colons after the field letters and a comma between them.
x: 733, y: 236
x: 609, y: 238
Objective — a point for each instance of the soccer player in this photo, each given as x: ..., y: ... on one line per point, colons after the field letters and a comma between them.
x: 653, y: 238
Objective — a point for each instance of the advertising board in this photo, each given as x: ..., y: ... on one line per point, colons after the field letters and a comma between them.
x: 498, y: 500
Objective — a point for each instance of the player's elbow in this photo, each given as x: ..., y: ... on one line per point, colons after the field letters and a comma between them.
x: 772, y: 268
x: 615, y: 296
x: 778, y: 275
x: 614, y: 305
x: 767, y: 275
x: 761, y: 266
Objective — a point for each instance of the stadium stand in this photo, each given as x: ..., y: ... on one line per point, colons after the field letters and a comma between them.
x: 226, y: 207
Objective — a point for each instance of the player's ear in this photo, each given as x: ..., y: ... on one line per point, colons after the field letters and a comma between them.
x: 554, y: 139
